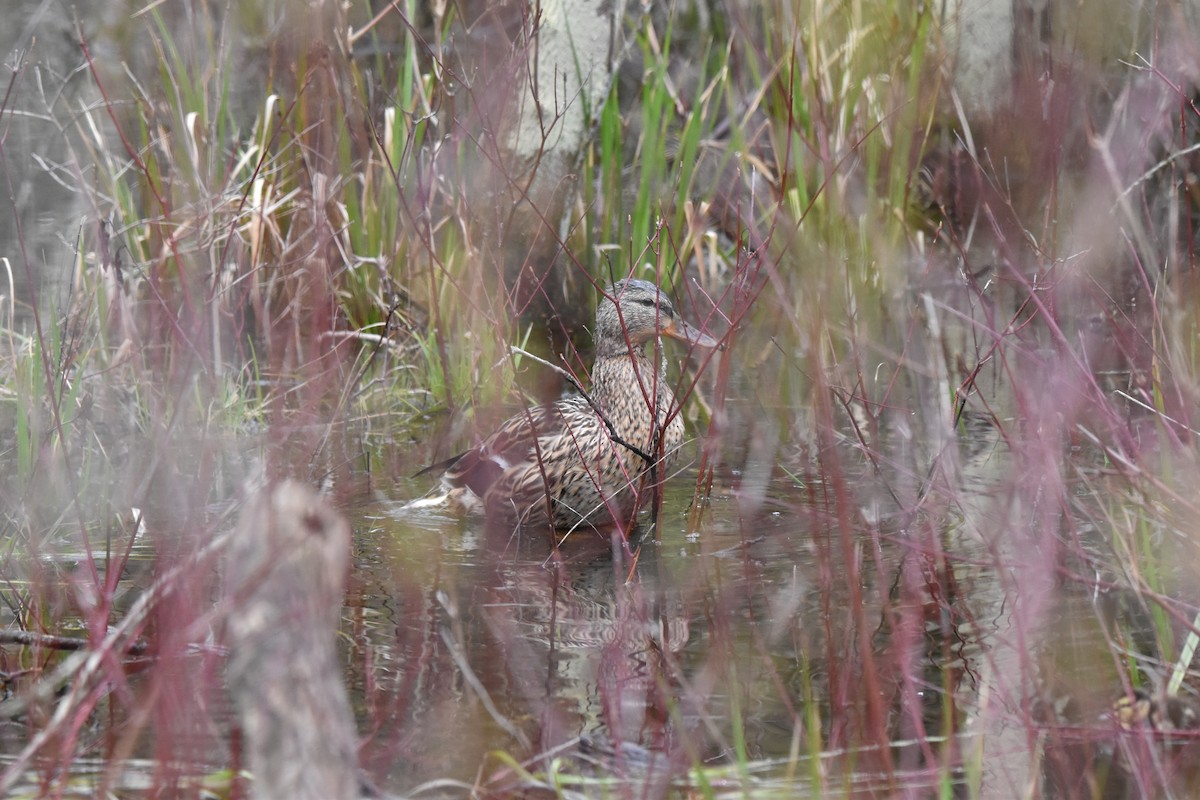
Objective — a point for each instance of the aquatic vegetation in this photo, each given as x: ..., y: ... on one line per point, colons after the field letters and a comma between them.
x: 937, y: 512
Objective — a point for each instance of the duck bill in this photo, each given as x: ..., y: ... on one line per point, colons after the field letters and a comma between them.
x: 686, y: 333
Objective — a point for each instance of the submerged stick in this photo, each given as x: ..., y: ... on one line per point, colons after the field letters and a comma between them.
x: 286, y: 576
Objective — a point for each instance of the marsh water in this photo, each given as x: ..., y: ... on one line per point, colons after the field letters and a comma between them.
x: 754, y: 644
x: 730, y: 640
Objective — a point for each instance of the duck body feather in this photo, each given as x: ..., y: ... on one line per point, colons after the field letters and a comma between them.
x: 559, y: 464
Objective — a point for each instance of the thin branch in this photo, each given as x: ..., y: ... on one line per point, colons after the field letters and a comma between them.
x: 51, y: 642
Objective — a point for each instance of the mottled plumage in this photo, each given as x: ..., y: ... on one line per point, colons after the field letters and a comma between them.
x: 564, y: 451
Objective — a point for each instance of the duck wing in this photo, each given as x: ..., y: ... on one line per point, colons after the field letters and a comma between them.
x: 512, y: 444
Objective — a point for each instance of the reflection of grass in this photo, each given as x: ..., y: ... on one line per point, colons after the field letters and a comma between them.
x: 283, y: 237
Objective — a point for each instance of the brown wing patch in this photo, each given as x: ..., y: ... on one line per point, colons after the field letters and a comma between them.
x: 513, y: 443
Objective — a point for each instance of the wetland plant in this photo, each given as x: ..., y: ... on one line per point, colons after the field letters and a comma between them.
x: 941, y: 515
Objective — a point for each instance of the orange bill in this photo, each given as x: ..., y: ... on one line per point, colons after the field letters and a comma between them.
x: 680, y: 330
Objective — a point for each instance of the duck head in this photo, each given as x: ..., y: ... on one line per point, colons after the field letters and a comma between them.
x: 632, y: 312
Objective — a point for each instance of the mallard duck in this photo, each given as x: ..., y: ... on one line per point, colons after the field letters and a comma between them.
x: 560, y: 464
